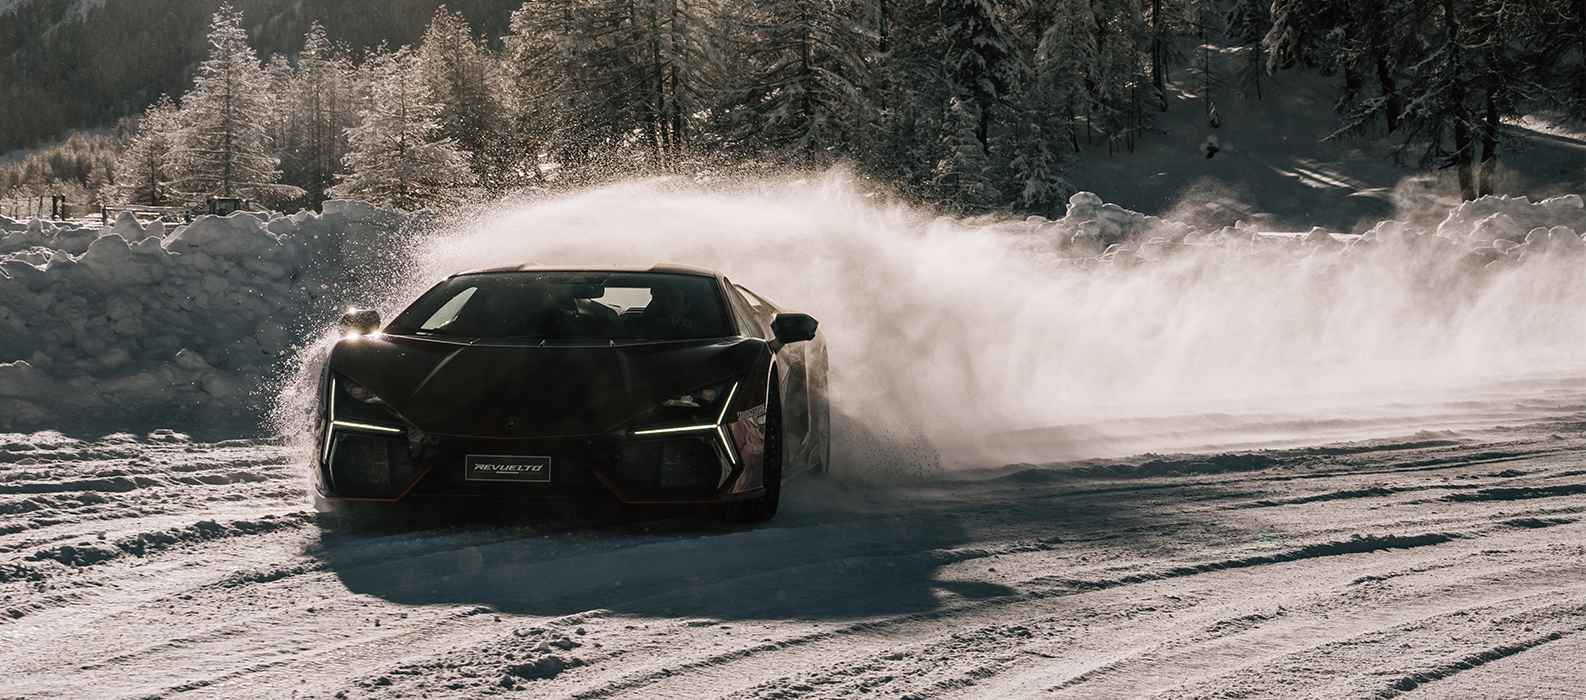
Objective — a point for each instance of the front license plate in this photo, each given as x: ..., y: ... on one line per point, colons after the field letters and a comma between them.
x: 534, y: 470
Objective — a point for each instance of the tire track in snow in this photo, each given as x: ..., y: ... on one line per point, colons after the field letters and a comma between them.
x: 1330, y: 549
x: 873, y: 636
x: 1057, y: 544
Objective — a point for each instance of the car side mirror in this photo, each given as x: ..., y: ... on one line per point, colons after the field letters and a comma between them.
x: 360, y: 321
x: 793, y: 328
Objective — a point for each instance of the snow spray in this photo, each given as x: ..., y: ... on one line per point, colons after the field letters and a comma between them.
x: 947, y: 333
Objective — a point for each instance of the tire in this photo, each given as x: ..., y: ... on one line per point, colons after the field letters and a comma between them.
x: 821, y: 456
x: 333, y: 515
x: 350, y: 515
x: 763, y: 507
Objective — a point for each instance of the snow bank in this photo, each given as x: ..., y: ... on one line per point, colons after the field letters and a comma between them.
x: 137, y: 325
x: 1489, y: 229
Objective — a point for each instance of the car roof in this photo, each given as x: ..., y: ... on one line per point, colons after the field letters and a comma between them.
x: 667, y: 268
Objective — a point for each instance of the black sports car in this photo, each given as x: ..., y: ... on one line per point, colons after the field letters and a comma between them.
x: 665, y: 385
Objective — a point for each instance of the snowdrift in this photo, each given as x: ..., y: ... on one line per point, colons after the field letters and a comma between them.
x: 135, y: 326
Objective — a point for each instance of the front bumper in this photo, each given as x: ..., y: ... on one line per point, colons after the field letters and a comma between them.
x: 699, y: 467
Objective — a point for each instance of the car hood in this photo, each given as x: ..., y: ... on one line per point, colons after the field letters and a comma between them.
x: 520, y: 390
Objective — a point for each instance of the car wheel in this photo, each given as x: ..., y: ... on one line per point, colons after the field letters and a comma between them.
x: 820, y: 456
x: 331, y: 514
x: 763, y: 507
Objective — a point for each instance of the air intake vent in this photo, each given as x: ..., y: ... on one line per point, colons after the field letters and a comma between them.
x: 370, y: 466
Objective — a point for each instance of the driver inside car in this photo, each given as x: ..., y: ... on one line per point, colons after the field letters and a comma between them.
x: 668, y: 313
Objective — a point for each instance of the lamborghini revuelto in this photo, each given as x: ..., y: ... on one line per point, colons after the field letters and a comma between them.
x: 660, y: 385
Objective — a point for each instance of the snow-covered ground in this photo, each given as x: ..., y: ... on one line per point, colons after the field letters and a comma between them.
x: 1447, y: 560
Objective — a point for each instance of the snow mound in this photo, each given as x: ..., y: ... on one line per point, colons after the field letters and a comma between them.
x: 39, y: 233
x: 1495, y: 216
x: 1488, y: 229
x: 135, y: 323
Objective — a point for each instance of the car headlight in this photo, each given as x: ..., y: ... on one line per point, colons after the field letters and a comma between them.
x: 703, y: 406
x: 352, y: 405
x: 353, y: 409
x: 356, y: 391
x: 702, y: 410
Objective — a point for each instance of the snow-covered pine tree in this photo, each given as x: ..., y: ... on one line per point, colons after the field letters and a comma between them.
x: 1117, y: 71
x: 143, y: 172
x: 1437, y: 99
x: 1065, y: 60
x: 565, y: 100
x: 284, y: 124
x: 1300, y: 33
x: 1509, y: 75
x: 319, y: 100
x: 802, y: 93
x: 965, y: 177
x: 907, y: 95
x: 1374, y: 37
x: 1247, y: 23
x: 537, y: 59
x: 595, y: 80
x: 398, y: 155
x: 983, y: 70
x: 1162, y: 16
x: 982, y: 65
x: 1035, y: 165
x: 457, y: 70
x: 1578, y: 65
x: 224, y: 144
x: 694, y: 71
x: 1207, y: 24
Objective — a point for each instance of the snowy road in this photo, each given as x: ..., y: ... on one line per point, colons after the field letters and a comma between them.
x: 1449, y: 562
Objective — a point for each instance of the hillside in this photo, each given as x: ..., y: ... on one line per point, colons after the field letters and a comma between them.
x: 68, y: 64
x: 1276, y: 167
x: 971, y: 105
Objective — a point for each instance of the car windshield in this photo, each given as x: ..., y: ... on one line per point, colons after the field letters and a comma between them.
x: 572, y: 306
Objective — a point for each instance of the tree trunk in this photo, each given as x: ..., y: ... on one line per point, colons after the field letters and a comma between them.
x: 983, y: 124
x: 1352, y: 83
x: 881, y: 29
x: 1391, y: 108
x: 1206, y: 62
x: 1158, y: 70
x: 1259, y: 52
x: 1580, y: 35
x: 806, y: 72
x: 225, y: 153
x: 1456, y: 104
x: 657, y: 120
x: 1489, y: 137
x: 1462, y: 147
x: 679, y: 39
x: 1073, y: 129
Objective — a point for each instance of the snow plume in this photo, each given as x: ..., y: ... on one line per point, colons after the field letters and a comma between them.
x: 1088, y: 333
x: 944, y: 331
